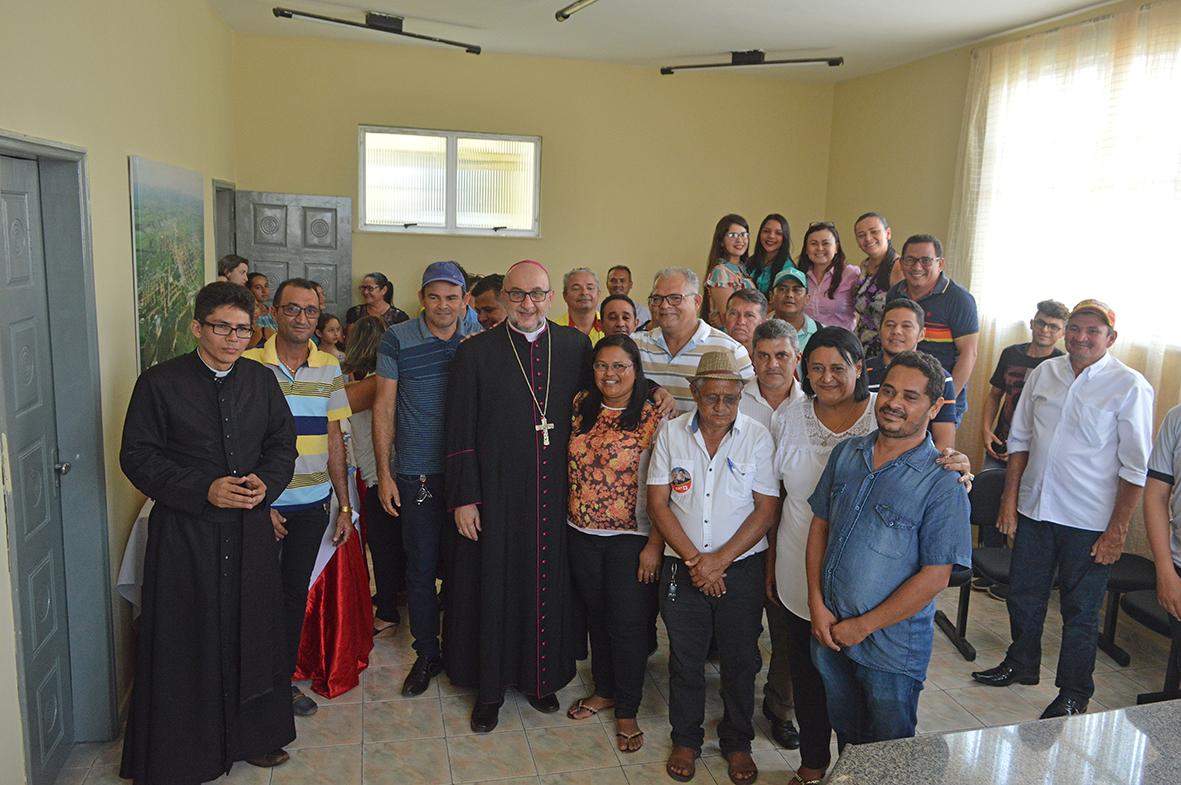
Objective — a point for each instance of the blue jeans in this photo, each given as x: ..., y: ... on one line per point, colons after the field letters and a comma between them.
x: 866, y: 705
x: 422, y: 525
x: 1039, y: 548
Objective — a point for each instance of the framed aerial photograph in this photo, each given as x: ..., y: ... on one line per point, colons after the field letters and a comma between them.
x: 168, y: 247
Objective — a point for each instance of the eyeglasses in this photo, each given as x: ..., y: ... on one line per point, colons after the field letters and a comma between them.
x: 656, y: 300
x: 368, y: 287
x: 736, y: 235
x: 519, y: 295
x: 602, y: 367
x: 714, y: 399
x: 926, y: 262
x: 223, y: 329
x: 293, y: 310
x: 1043, y: 325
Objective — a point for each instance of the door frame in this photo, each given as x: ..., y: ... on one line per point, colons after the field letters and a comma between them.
x: 224, y: 186
x: 73, y: 340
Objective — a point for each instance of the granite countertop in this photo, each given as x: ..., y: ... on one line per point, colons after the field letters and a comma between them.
x: 1132, y: 746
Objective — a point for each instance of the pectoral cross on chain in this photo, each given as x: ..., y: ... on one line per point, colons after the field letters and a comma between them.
x: 545, y: 427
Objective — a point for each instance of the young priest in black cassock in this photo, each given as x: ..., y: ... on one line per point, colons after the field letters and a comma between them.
x: 508, y: 605
x: 212, y: 441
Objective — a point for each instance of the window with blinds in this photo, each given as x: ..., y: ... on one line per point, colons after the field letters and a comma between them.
x: 449, y: 182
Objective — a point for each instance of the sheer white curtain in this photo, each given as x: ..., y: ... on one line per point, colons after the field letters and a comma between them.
x: 1070, y: 187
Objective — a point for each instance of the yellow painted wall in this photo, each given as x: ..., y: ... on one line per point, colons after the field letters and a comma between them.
x: 636, y: 167
x: 137, y: 77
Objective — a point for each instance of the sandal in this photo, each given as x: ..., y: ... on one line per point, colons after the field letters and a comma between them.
x: 690, y: 765
x: 742, y: 773
x: 582, y: 706
x: 625, y: 740
x: 796, y: 779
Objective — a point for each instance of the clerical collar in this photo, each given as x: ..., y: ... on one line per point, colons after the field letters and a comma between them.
x: 530, y: 336
x: 214, y: 371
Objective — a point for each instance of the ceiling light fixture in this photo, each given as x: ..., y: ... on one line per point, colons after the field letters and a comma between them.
x: 565, y: 13
x: 755, y: 57
x: 383, y: 23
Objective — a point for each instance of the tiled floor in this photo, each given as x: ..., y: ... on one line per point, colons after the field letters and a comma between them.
x: 374, y: 736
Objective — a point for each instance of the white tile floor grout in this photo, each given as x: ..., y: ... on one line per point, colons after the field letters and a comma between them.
x: 370, y: 724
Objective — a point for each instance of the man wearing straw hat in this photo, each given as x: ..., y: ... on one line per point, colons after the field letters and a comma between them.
x: 712, y: 494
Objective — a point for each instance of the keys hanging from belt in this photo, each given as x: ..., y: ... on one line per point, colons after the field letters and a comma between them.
x: 424, y: 493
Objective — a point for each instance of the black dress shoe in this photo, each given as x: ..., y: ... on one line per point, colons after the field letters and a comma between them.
x: 270, y: 759
x: 419, y: 678
x: 1002, y: 676
x: 1063, y: 706
x: 546, y: 704
x: 485, y: 716
x: 302, y: 705
x: 783, y: 731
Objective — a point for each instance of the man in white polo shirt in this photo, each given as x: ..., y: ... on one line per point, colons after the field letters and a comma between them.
x: 1078, y: 457
x: 671, y: 350
x: 712, y: 494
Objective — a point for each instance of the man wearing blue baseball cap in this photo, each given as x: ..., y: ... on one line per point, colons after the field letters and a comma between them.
x: 413, y: 370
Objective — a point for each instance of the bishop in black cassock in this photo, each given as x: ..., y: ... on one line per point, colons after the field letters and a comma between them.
x: 508, y: 604
x: 211, y: 684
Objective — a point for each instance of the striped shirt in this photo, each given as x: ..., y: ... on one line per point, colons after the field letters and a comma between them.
x: 673, y: 373
x: 316, y: 396
x: 420, y: 363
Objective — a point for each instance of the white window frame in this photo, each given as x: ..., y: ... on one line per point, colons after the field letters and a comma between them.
x: 451, y: 177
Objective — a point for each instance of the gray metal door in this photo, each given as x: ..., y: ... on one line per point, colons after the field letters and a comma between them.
x: 223, y: 219
x: 31, y: 494
x: 294, y: 235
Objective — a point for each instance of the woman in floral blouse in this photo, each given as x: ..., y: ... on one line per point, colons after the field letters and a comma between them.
x: 878, y: 274
x: 726, y: 269
x: 615, y: 553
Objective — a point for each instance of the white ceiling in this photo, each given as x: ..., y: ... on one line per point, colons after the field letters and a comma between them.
x: 871, y: 36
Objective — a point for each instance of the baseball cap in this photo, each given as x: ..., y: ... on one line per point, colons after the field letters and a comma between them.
x: 791, y: 272
x: 1097, y: 307
x: 442, y: 271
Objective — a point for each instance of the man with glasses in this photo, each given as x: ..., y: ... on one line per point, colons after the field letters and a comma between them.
x: 712, y: 494
x: 1008, y: 379
x: 789, y: 297
x: 952, y: 329
x: 413, y: 370
x: 212, y: 441
x: 672, y: 350
x: 313, y: 384
x: 507, y: 602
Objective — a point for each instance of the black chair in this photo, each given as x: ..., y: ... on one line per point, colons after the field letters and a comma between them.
x: 1142, y: 606
x: 1131, y: 573
x: 985, y: 498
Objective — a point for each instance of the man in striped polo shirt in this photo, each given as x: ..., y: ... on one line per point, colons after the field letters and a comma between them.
x: 672, y: 350
x: 413, y: 369
x: 313, y: 385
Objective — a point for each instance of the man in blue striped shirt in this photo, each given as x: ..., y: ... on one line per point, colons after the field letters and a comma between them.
x: 313, y: 385
x: 413, y: 369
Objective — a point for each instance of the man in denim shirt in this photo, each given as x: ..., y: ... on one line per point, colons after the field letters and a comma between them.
x: 889, y: 525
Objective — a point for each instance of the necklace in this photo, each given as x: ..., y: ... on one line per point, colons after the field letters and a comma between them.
x: 546, y: 426
x: 614, y: 408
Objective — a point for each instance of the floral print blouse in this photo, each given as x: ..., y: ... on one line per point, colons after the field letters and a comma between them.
x: 605, y: 470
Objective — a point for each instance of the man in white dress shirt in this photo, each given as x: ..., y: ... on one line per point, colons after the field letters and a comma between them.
x: 1078, y: 457
x: 712, y: 495
x: 775, y: 352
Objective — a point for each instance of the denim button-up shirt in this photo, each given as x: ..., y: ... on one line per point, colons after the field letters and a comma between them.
x: 883, y: 526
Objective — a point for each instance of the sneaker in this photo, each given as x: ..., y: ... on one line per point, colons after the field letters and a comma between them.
x: 301, y: 704
x: 419, y: 678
